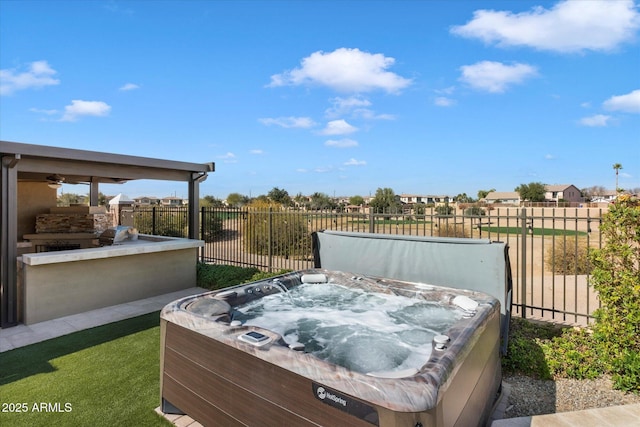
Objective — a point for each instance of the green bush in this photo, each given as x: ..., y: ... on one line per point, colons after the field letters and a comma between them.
x: 287, y: 234
x: 616, y: 278
x: 218, y: 276
x: 573, y: 355
x: 474, y: 211
x: 444, y: 209
x: 213, y: 276
x: 525, y: 353
x: 211, y: 225
x: 568, y: 255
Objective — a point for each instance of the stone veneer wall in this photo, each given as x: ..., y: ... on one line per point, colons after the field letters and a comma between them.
x: 72, y: 223
x: 74, y: 219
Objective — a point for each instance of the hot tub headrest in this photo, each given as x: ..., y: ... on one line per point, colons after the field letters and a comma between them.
x: 314, y: 278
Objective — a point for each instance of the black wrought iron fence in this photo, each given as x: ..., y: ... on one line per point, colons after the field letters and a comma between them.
x: 548, y: 247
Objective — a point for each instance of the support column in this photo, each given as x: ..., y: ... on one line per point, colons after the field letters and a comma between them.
x: 194, y: 203
x: 8, y: 241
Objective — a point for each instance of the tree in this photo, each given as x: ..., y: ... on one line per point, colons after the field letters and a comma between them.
x: 617, y: 167
x: 236, y: 200
x: 301, y: 200
x: 483, y: 193
x: 533, y: 192
x: 321, y: 201
x: 68, y: 199
x: 463, y: 198
x: 385, y: 199
x: 356, y: 201
x: 590, y: 193
x: 279, y: 196
x: 210, y: 201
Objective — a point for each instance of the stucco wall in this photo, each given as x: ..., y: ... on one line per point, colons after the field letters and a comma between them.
x: 34, y: 198
x: 60, y: 289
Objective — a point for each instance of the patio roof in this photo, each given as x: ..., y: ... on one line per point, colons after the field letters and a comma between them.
x: 39, y: 163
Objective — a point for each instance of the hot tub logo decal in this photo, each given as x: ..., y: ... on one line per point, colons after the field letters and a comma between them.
x: 323, y: 394
x: 345, y: 403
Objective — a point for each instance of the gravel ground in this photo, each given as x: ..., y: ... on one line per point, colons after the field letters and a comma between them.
x: 536, y: 397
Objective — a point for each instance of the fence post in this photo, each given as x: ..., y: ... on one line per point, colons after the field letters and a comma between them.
x: 202, y: 232
x: 523, y: 262
x: 153, y: 220
x: 270, y: 239
x: 372, y: 221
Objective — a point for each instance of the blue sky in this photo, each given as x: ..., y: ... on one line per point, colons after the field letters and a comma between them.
x: 338, y: 97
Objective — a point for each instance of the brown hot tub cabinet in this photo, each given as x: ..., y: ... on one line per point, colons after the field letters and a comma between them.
x: 212, y: 374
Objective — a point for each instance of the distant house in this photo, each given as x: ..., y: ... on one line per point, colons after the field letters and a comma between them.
x: 426, y: 199
x: 171, y: 201
x: 564, y: 193
x: 607, y: 196
x: 508, y: 197
x: 146, y: 201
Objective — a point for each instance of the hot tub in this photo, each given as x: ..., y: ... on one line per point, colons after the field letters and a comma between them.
x: 328, y: 348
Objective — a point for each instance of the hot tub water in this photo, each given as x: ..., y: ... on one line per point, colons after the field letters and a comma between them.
x: 362, y: 331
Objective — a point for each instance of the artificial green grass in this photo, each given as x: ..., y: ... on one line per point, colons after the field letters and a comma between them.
x: 104, y: 376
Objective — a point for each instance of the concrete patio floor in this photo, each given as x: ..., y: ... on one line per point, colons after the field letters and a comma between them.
x: 23, y: 335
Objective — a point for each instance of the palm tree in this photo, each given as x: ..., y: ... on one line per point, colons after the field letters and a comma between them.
x: 617, y: 167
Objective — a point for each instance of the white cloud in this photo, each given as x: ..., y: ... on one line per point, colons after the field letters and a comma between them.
x: 341, y: 143
x: 343, y: 106
x: 38, y: 74
x: 344, y: 70
x: 549, y: 156
x: 443, y: 101
x: 599, y: 120
x: 372, y: 115
x: 129, y: 86
x: 445, y: 91
x: 629, y: 103
x: 228, y: 157
x: 289, y: 122
x: 338, y: 127
x: 42, y: 111
x: 569, y: 26
x: 354, y: 162
x: 256, y: 151
x: 495, y: 77
x: 80, y: 108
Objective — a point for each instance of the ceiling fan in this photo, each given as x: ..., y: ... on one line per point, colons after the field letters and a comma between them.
x: 55, y: 181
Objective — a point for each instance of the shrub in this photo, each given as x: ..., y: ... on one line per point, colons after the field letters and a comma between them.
x: 453, y: 230
x: 210, y: 276
x: 218, y: 276
x: 268, y: 227
x: 211, y: 225
x: 574, y: 355
x: 444, y: 209
x: 474, y: 211
x: 525, y: 353
x: 616, y: 278
x: 568, y: 255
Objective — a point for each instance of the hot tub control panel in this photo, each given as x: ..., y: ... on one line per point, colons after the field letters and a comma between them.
x: 254, y: 338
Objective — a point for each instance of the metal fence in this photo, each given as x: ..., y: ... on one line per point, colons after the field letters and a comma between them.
x: 547, y: 246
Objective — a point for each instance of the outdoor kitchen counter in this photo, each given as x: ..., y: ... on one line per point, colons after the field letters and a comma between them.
x: 145, y: 244
x: 61, y: 283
